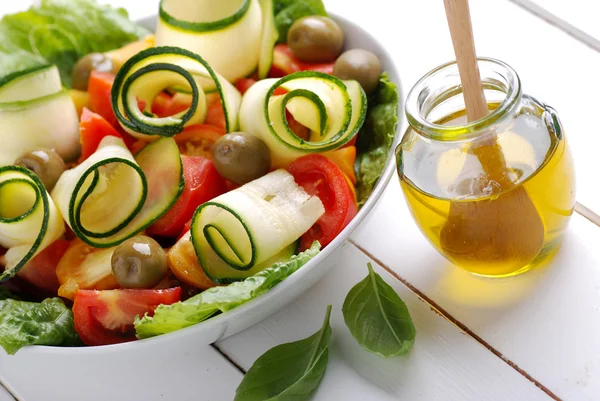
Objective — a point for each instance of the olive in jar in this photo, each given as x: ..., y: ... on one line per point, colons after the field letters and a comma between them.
x: 139, y: 262
x: 360, y: 65
x: 316, y: 39
x: 84, y: 67
x: 45, y: 163
x: 240, y: 157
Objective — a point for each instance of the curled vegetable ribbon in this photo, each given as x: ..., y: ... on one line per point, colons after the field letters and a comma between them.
x: 333, y: 111
x: 143, y: 77
x: 29, y: 219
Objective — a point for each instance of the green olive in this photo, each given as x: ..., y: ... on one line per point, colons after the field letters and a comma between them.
x: 45, y: 163
x: 240, y: 157
x: 316, y: 39
x: 360, y: 65
x: 84, y: 67
x: 139, y: 262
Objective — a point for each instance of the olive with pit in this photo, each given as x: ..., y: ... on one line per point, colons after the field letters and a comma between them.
x: 316, y: 39
x: 240, y: 157
x: 45, y: 163
x: 139, y: 262
x: 360, y: 65
x: 84, y: 67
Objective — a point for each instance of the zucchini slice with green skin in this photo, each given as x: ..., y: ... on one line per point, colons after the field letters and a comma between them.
x: 147, y: 74
x: 246, y: 230
x: 29, y: 219
x: 227, y: 33
x: 332, y: 109
x: 35, y: 112
x: 113, y: 196
x: 269, y: 38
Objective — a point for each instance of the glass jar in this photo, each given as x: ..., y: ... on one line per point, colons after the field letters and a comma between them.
x: 495, y: 195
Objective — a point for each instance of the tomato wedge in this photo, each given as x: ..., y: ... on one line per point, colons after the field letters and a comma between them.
x: 92, y: 129
x: 202, y: 183
x: 285, y: 63
x: 106, y: 317
x: 41, y: 270
x: 243, y: 84
x: 198, y: 140
x: 184, y: 264
x: 321, y: 177
x: 165, y: 105
x: 83, y: 267
x: 99, y: 88
x: 344, y: 158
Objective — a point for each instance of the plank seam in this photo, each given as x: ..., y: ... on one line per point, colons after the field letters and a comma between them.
x: 559, y: 23
x: 442, y: 312
x: 229, y: 358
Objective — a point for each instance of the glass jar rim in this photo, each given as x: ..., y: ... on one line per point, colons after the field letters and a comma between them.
x: 415, y: 98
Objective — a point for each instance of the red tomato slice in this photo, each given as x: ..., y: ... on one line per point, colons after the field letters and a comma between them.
x: 344, y: 158
x: 165, y: 105
x: 216, y: 116
x: 92, y: 129
x: 285, y: 63
x: 321, y: 177
x: 106, y: 317
x: 99, y: 88
x: 243, y: 84
x: 202, y: 183
x: 41, y: 270
x: 198, y: 139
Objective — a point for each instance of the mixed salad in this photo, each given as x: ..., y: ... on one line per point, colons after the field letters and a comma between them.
x: 149, y: 181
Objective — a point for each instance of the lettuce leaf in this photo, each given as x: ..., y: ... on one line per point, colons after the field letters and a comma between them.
x: 376, y: 137
x: 288, y: 11
x: 60, y: 32
x: 168, y: 318
x: 22, y: 323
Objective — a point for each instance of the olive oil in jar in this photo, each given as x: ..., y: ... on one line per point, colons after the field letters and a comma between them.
x: 450, y: 195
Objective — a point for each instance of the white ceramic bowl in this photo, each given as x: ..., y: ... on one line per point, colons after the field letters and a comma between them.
x: 138, y: 369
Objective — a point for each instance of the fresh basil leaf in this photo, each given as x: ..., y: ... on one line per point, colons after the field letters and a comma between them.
x: 62, y: 31
x: 288, y: 372
x: 289, y: 11
x: 376, y: 137
x: 168, y: 318
x: 377, y: 317
x: 22, y: 323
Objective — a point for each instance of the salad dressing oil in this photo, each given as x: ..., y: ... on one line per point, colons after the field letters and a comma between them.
x: 450, y: 196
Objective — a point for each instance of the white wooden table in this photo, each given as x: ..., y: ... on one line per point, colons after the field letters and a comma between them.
x: 532, y: 337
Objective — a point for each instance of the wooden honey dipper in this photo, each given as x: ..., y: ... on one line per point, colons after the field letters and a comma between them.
x: 506, y: 231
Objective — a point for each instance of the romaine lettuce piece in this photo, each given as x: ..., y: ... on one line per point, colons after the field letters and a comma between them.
x: 376, y: 137
x: 60, y: 32
x: 168, y: 318
x: 22, y: 323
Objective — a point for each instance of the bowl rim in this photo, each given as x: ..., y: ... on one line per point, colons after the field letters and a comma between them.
x: 282, y: 287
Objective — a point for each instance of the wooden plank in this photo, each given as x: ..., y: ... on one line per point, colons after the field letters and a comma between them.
x: 579, y: 18
x: 181, y: 371
x: 546, y: 321
x: 444, y: 363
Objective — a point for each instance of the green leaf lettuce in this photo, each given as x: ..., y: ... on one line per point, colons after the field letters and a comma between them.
x: 376, y: 137
x: 168, y: 318
x: 60, y: 32
x: 22, y: 323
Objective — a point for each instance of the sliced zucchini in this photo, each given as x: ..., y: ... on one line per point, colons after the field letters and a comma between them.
x: 47, y: 122
x: 29, y: 219
x: 226, y: 33
x: 239, y: 233
x: 269, y: 38
x: 32, y: 84
x: 147, y: 74
x: 332, y: 109
x: 111, y: 196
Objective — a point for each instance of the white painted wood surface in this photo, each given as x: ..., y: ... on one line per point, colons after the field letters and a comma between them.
x: 546, y: 322
x: 445, y: 363
x: 5, y: 395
